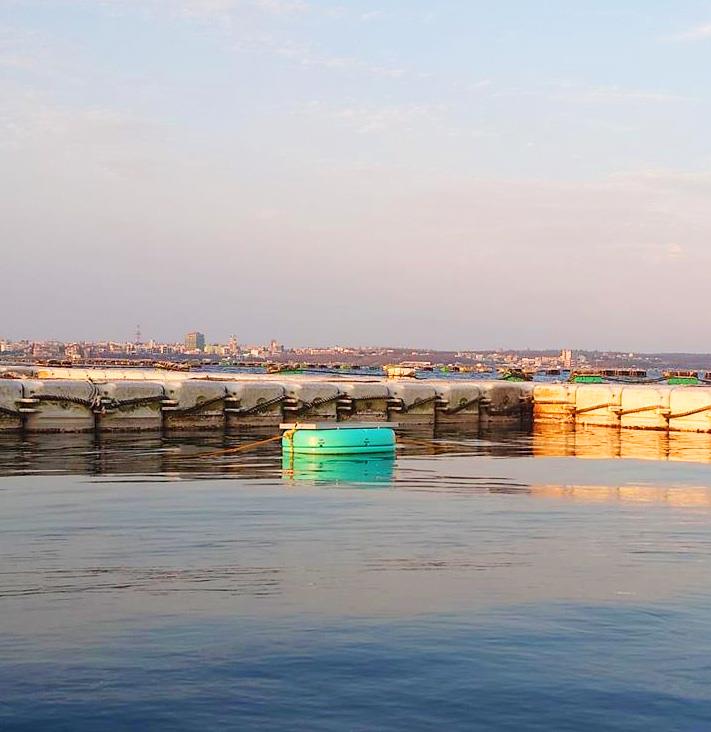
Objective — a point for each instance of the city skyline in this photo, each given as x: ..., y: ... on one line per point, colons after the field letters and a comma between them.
x: 195, y: 342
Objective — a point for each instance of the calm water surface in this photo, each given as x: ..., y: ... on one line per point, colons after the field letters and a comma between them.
x: 546, y: 581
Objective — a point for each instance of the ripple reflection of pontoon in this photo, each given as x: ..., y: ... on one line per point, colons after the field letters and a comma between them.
x: 677, y: 496
x: 601, y: 443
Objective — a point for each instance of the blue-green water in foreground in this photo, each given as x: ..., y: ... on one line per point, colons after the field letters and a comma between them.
x: 504, y: 582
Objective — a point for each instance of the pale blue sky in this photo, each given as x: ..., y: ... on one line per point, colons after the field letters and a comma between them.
x: 453, y: 173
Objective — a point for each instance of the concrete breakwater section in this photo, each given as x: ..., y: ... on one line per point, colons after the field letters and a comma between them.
x: 632, y: 406
x: 37, y: 399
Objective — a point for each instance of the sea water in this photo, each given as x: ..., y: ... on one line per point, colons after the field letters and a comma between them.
x: 505, y: 581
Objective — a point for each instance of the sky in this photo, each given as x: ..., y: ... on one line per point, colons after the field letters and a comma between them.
x: 442, y: 173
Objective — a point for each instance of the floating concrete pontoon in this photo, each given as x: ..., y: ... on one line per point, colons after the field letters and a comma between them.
x: 46, y: 399
x: 458, y: 403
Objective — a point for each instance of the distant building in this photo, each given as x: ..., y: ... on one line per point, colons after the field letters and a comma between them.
x: 566, y: 357
x: 195, y: 341
x: 74, y: 351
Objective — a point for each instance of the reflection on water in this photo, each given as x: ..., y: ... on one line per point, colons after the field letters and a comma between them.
x: 193, y: 455
x: 488, y: 581
x: 553, y: 440
x: 680, y: 496
x: 337, y: 469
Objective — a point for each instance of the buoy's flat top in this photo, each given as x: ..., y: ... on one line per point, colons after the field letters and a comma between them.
x: 337, y: 425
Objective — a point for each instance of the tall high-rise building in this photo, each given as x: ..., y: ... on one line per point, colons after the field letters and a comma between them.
x: 195, y: 341
x: 566, y: 356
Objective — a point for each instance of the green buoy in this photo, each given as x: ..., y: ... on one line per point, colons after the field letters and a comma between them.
x: 337, y: 438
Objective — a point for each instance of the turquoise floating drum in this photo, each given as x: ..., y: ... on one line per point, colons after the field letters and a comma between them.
x: 325, y: 438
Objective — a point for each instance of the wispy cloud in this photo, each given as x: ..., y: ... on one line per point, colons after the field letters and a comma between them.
x: 217, y: 7
x: 370, y: 119
x: 306, y: 56
x: 595, y: 94
x: 699, y: 33
x: 282, y: 7
x: 674, y: 252
x: 371, y: 15
x: 31, y: 119
x: 615, y: 94
x: 242, y: 21
x: 19, y: 50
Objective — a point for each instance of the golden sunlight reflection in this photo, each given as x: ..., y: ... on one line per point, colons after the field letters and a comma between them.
x: 676, y: 496
x: 600, y: 443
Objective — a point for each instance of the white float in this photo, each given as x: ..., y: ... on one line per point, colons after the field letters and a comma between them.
x: 254, y: 404
x: 130, y: 406
x: 412, y: 402
x: 690, y: 409
x: 598, y: 404
x: 194, y: 404
x: 554, y: 402
x: 645, y: 407
x: 457, y: 403
x: 58, y: 405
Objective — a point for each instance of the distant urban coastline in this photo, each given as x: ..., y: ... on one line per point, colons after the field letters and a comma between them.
x: 195, y: 349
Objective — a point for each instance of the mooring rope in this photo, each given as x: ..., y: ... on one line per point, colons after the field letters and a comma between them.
x: 230, y: 450
x: 417, y: 403
x: 318, y: 402
x: 289, y: 434
x: 263, y: 407
x: 461, y: 407
x: 198, y: 407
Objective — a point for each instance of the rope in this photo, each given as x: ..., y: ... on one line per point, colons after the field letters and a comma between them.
x: 58, y: 398
x: 289, y: 437
x: 230, y: 450
x: 582, y: 410
x: 306, y: 406
x: 199, y: 406
x: 461, y: 407
x: 636, y: 410
x: 418, y: 403
x: 102, y: 404
x: 257, y: 408
x: 10, y: 412
x: 698, y: 410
